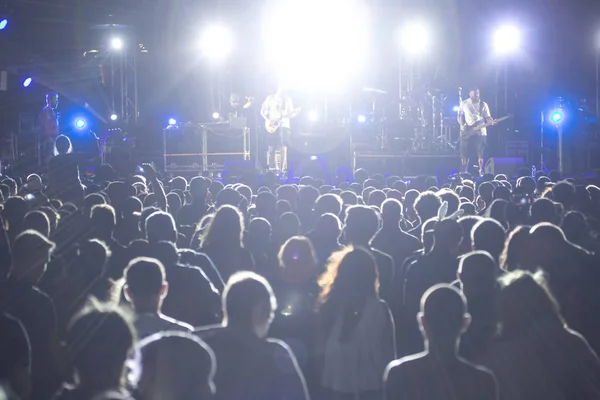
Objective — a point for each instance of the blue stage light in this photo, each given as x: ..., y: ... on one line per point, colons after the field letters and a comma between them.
x: 557, y: 116
x: 456, y: 109
x: 27, y: 82
x: 3, y: 24
x: 362, y: 119
x: 80, y: 123
x: 172, y: 121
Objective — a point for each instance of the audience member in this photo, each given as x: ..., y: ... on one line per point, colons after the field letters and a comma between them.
x: 356, y: 338
x: 146, y: 289
x: 98, y: 344
x: 250, y: 365
x: 176, y: 366
x: 362, y: 223
x: 536, y: 356
x: 439, y: 373
x: 224, y: 242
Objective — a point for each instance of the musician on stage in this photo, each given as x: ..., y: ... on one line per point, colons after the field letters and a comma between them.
x: 277, y: 110
x: 48, y: 119
x: 473, y: 112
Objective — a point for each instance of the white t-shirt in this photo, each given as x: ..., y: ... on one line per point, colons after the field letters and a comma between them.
x: 275, y: 106
x: 475, y: 114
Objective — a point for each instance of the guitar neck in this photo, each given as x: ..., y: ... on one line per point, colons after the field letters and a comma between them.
x: 491, y: 123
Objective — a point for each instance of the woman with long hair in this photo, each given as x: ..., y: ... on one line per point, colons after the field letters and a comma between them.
x: 356, y: 328
x: 516, y: 251
x: 223, y: 242
x: 63, y: 173
x: 537, y: 356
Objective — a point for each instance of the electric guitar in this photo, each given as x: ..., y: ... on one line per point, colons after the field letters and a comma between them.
x: 273, y: 124
x: 468, y: 131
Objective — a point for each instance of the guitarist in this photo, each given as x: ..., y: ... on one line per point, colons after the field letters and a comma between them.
x: 473, y: 112
x: 277, y: 110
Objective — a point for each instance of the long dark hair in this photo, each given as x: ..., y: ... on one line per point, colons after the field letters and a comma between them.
x: 524, y: 300
x: 350, y: 279
x: 226, y: 229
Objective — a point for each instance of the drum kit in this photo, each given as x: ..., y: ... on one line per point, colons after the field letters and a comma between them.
x: 418, y: 123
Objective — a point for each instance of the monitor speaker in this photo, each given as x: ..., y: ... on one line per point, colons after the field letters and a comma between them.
x: 507, y: 166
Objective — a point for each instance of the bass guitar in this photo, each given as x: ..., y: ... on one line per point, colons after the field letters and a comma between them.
x: 468, y: 131
x: 273, y: 124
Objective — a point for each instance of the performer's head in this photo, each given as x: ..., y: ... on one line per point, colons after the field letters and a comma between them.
x: 235, y: 100
x: 52, y: 99
x: 474, y: 93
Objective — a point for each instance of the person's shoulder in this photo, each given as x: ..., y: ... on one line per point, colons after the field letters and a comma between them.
x: 578, y: 343
x: 382, y: 256
x: 402, y: 365
x: 410, y: 238
x: 209, y: 332
x: 282, y: 355
x: 482, y: 376
x: 176, y: 324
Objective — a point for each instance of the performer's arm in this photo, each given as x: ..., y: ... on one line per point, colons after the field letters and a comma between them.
x: 487, y: 115
x: 460, y: 117
x: 264, y: 109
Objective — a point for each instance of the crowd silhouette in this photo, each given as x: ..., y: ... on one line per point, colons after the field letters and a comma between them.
x: 148, y: 287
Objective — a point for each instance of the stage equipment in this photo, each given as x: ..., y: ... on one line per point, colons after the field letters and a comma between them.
x: 406, y: 165
x: 204, y: 147
x: 506, y: 166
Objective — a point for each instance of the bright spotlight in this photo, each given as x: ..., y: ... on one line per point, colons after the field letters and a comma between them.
x: 361, y: 119
x: 172, y: 121
x: 80, y: 123
x: 557, y: 116
x: 217, y: 42
x: 313, y: 116
x: 314, y: 158
x: 114, y: 117
x: 456, y: 109
x: 27, y: 82
x: 325, y: 45
x: 3, y: 24
x: 116, y: 43
x: 415, y: 38
x: 507, y: 39
x: 215, y: 115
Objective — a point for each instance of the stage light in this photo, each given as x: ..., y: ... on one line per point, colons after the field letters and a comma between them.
x: 80, y: 123
x: 172, y: 121
x: 507, y: 39
x: 314, y: 158
x: 327, y: 57
x: 116, y: 43
x: 361, y: 119
x: 114, y: 117
x: 216, y: 42
x: 415, y: 38
x: 456, y: 109
x: 557, y: 116
x: 313, y: 116
x: 215, y: 115
x: 3, y: 24
x: 27, y: 82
